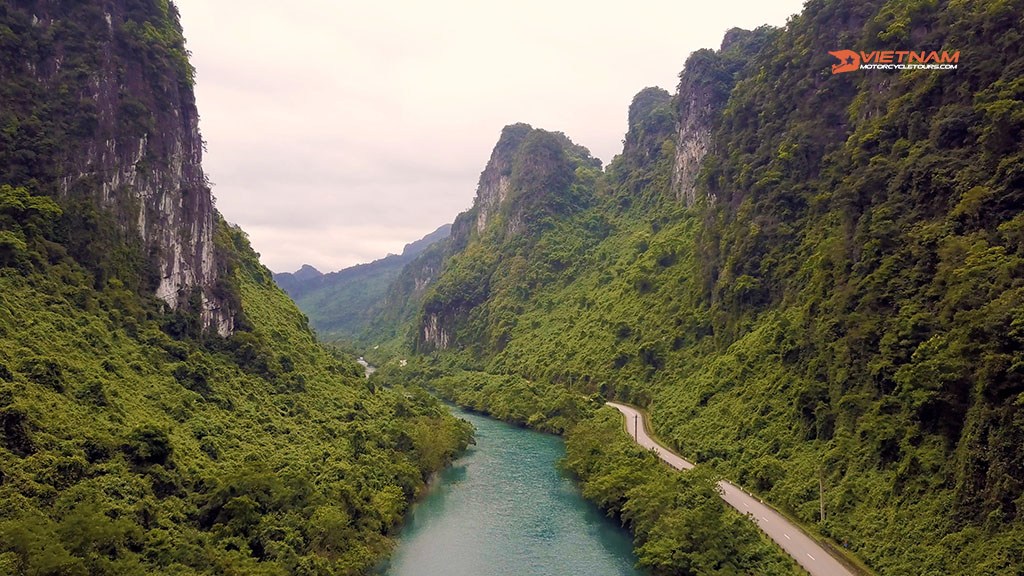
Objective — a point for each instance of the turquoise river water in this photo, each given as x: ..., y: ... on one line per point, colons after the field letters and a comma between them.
x: 506, y: 509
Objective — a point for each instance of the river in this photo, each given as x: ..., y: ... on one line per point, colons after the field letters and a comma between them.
x: 367, y: 367
x: 504, y: 508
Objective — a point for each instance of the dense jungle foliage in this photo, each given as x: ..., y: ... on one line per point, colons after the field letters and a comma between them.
x: 133, y: 441
x: 680, y: 524
x: 840, y: 309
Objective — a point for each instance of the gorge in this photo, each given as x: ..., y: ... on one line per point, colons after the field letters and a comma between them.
x: 811, y: 280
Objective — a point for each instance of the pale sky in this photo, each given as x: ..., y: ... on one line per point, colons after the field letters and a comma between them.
x: 339, y: 131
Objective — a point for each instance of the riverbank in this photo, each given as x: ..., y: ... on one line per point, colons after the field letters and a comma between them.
x: 850, y: 562
x: 506, y: 508
x: 672, y: 533
x: 791, y: 537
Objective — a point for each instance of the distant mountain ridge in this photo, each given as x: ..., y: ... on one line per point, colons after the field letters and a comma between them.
x: 340, y: 304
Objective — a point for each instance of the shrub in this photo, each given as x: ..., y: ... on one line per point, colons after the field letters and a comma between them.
x: 92, y: 393
x: 44, y: 371
x: 148, y: 445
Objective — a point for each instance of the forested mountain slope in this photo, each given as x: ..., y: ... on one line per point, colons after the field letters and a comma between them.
x: 340, y: 305
x: 164, y: 409
x: 814, y: 281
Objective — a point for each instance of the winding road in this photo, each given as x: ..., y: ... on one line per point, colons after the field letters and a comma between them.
x: 804, y: 549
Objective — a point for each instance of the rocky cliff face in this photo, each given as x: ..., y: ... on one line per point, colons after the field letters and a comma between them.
x: 496, y: 179
x: 528, y: 172
x: 530, y: 181
x: 109, y: 87
x: 704, y: 88
x: 698, y: 102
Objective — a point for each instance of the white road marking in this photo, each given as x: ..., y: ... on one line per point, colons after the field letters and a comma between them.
x: 765, y: 518
x: 787, y: 536
x: 811, y: 557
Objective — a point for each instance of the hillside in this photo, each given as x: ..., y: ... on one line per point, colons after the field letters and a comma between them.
x: 813, y: 281
x: 164, y: 408
x: 340, y: 305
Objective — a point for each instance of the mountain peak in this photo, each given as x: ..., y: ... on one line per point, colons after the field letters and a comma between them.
x: 645, y: 102
x: 528, y: 166
x: 651, y: 123
x: 307, y: 272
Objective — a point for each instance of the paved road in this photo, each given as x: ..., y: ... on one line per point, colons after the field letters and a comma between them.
x: 805, y: 550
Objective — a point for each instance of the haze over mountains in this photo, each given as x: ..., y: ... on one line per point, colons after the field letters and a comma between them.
x: 341, y: 304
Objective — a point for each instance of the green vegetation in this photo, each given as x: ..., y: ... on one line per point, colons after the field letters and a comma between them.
x: 836, y: 322
x: 840, y: 311
x: 131, y: 440
x: 132, y: 444
x: 540, y: 406
x: 548, y: 179
x: 153, y: 31
x: 680, y: 524
x: 340, y: 305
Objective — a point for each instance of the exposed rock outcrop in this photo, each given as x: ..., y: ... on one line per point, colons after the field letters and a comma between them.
x: 496, y: 179
x: 527, y: 183
x: 130, y: 143
x: 700, y: 97
x: 704, y: 88
x: 528, y: 172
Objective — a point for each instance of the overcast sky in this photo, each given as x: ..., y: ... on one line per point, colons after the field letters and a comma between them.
x: 338, y: 131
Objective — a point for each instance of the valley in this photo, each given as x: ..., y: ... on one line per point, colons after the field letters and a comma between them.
x: 806, y: 278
